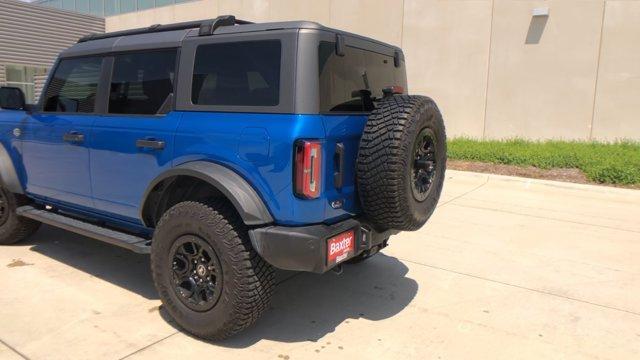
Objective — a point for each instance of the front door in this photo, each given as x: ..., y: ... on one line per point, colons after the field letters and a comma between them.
x: 133, y: 141
x: 56, y: 140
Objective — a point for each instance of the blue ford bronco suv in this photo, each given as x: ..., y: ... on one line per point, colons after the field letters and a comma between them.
x: 224, y: 149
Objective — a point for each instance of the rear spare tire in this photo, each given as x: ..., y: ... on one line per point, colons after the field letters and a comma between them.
x: 401, y: 162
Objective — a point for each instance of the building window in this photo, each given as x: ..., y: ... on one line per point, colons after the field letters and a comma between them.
x: 107, y: 7
x: 25, y: 77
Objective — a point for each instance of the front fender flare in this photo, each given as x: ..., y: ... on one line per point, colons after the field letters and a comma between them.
x: 244, y: 198
x: 8, y: 175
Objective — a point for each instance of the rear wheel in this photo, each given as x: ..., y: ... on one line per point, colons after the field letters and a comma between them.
x: 209, y: 278
x: 14, y: 228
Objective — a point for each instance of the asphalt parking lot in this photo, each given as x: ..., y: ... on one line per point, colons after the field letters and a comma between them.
x: 507, y: 268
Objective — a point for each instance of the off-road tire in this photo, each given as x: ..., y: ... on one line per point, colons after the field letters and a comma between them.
x: 248, y: 281
x: 14, y: 228
x: 384, y: 165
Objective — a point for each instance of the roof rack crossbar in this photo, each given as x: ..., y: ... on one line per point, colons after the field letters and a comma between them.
x: 207, y: 27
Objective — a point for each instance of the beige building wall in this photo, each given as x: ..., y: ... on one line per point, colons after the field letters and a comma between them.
x: 446, y: 44
x: 494, y: 69
x: 543, y: 89
x: 617, y: 106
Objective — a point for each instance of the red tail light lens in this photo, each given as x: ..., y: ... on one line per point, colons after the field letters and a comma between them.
x: 308, y: 161
x: 393, y: 90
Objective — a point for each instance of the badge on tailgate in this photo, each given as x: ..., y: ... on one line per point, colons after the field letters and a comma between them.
x: 340, y: 247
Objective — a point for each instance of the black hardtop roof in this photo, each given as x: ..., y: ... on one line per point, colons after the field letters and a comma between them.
x: 171, y: 35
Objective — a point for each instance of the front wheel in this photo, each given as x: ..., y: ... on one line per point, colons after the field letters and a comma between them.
x: 14, y: 228
x: 209, y: 278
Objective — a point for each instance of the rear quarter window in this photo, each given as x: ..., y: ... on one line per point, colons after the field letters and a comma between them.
x: 237, y: 74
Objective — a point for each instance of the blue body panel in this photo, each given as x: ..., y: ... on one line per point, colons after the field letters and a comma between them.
x: 54, y: 168
x: 106, y: 175
x: 120, y: 171
x: 259, y: 147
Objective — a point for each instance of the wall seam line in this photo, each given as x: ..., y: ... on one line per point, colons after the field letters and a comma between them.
x: 486, y: 90
x: 402, y: 26
x: 595, y: 86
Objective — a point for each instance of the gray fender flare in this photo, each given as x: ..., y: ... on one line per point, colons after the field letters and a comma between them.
x: 244, y: 198
x: 8, y: 175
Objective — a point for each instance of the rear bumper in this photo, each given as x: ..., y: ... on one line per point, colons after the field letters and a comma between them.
x: 304, y: 248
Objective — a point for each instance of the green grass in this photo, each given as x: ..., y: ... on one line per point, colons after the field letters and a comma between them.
x: 613, y: 163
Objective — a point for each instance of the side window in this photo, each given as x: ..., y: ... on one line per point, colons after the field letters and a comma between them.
x: 141, y: 82
x: 74, y: 85
x: 237, y: 74
x: 352, y: 83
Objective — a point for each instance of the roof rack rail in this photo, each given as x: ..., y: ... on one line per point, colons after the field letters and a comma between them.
x: 207, y: 27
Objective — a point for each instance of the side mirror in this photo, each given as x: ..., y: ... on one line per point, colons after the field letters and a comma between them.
x: 12, y: 98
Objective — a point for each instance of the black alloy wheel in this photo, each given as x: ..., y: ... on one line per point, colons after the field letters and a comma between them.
x: 423, y: 167
x: 196, y: 273
x: 209, y: 278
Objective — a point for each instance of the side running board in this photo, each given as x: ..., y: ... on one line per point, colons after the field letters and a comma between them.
x: 131, y: 242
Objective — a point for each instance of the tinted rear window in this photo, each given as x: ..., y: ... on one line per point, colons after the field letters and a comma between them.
x: 141, y: 82
x: 239, y: 74
x: 352, y: 82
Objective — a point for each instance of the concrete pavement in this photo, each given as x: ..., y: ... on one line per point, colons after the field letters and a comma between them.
x: 506, y: 268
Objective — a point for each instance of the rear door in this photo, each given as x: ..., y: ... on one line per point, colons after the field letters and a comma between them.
x: 133, y: 141
x: 55, y: 140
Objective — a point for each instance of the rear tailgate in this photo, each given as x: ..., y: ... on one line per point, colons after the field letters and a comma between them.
x: 340, y: 151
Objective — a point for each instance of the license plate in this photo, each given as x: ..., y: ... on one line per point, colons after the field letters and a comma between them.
x: 341, y: 247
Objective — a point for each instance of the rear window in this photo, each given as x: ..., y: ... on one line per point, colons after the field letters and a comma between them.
x: 141, y: 82
x: 239, y: 74
x: 352, y: 83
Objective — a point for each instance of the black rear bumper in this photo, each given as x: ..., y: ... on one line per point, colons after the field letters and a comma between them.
x: 304, y: 248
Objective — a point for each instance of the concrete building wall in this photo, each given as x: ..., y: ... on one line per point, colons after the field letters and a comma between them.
x: 34, y: 35
x: 31, y: 36
x: 446, y: 44
x: 545, y: 88
x: 3, y: 74
x: 617, y: 105
x: 495, y: 70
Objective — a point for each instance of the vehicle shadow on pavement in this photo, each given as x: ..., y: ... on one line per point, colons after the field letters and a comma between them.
x: 110, y: 263
x: 306, y: 307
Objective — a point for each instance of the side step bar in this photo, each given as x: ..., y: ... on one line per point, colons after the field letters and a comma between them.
x: 131, y: 242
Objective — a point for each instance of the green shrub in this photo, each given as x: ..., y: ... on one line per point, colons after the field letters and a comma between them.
x: 614, y: 163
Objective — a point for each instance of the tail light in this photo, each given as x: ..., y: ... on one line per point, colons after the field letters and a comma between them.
x: 308, y: 162
x: 393, y: 90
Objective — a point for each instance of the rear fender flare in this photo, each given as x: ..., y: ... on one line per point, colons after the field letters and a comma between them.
x: 244, y: 198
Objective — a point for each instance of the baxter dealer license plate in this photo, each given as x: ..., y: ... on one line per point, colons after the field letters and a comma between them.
x: 341, y: 247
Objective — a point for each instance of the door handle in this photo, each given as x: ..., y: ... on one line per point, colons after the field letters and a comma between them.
x: 150, y: 144
x: 73, y: 137
x: 338, y: 166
